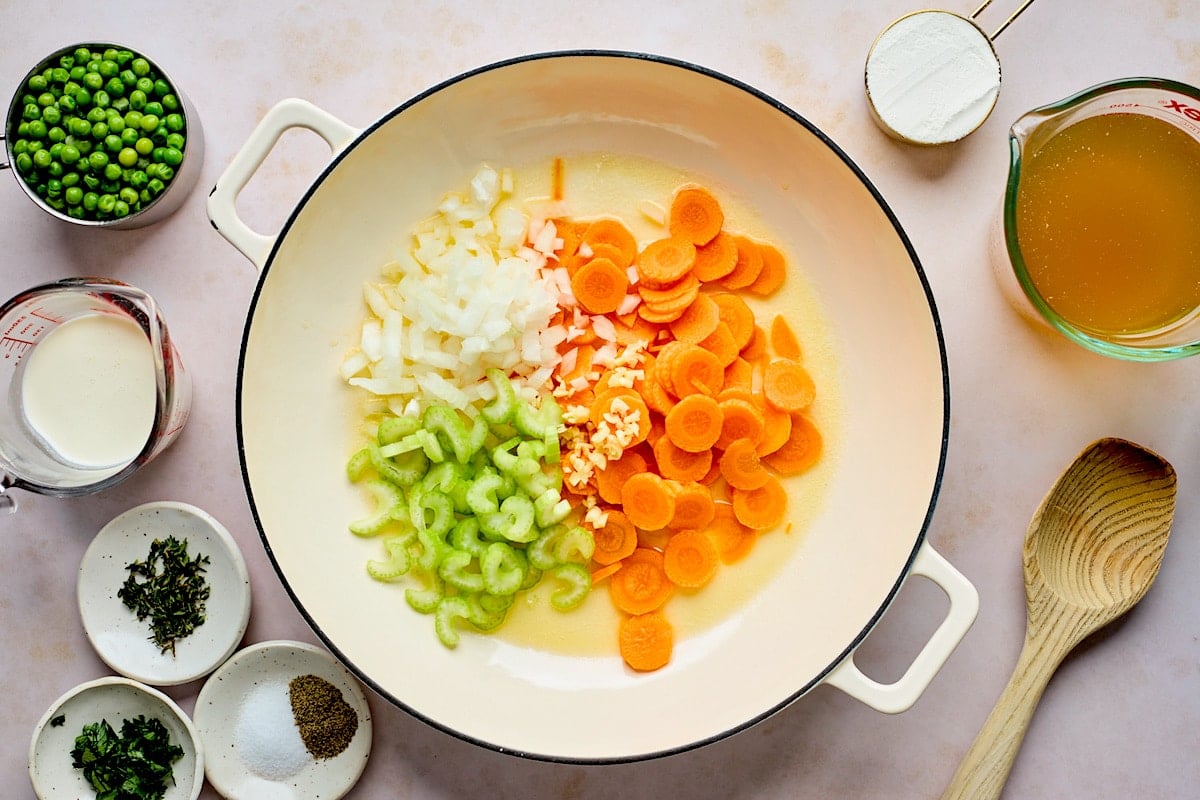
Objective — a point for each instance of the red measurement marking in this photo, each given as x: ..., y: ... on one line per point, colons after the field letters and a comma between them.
x: 42, y: 314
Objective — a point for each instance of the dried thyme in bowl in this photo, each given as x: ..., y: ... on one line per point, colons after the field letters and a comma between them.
x: 169, y: 588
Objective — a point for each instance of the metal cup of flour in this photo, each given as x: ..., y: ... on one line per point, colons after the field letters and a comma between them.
x: 93, y: 387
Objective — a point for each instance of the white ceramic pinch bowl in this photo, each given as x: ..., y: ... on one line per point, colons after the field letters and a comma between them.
x: 119, y: 637
x: 219, y: 709
x: 114, y: 699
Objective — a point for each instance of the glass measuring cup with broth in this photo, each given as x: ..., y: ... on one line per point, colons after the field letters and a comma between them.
x: 91, y: 384
x: 1101, y: 218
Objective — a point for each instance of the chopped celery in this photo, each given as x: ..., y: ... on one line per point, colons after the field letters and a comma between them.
x: 504, y: 406
x: 575, y: 545
x: 387, y: 497
x: 540, y: 552
x: 503, y: 568
x: 514, y: 520
x: 578, y: 582
x: 404, y: 470
x: 399, y: 560
x: 425, y: 601
x: 455, y: 570
x: 431, y: 501
x: 481, y: 497
x: 465, y: 536
x: 448, y: 610
x: 393, y: 429
x: 358, y: 464
x: 549, y: 508
x: 486, y: 616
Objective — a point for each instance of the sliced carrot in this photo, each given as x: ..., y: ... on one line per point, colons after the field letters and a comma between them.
x: 760, y: 508
x: 664, y: 261
x: 739, y: 373
x: 716, y: 259
x: 600, y: 286
x: 656, y: 395
x: 610, y: 251
x: 695, y: 369
x: 615, y: 540
x: 788, y: 386
x: 694, y: 424
x: 783, y: 339
x: 691, y: 559
x: 699, y: 320
x: 740, y: 466
x: 612, y: 232
x: 714, y: 472
x: 658, y: 317
x: 647, y: 501
x: 740, y: 393
x: 641, y: 585
x: 801, y: 450
x: 772, y: 274
x: 658, y: 427
x: 749, y: 264
x: 740, y: 419
x: 737, y: 315
x: 733, y: 539
x: 664, y: 361
x: 635, y: 330
x: 722, y: 345
x: 610, y: 479
x: 694, y: 506
x: 646, y: 641
x: 605, y: 572
x: 695, y: 215
x: 777, y: 427
x: 756, y: 348
x: 680, y: 465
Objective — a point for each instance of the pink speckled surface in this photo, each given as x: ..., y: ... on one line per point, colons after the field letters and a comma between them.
x: 1119, y: 720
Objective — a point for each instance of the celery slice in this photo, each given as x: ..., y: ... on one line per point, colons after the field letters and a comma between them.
x: 549, y: 508
x: 482, y: 496
x: 399, y: 560
x: 358, y: 464
x: 501, y: 409
x: 514, y: 520
x: 425, y: 601
x: 455, y: 570
x: 386, y: 497
x: 403, y: 471
x: 575, y: 545
x: 578, y: 583
x: 393, y: 429
x: 448, y: 610
x: 465, y: 536
x: 541, y: 551
x: 503, y: 568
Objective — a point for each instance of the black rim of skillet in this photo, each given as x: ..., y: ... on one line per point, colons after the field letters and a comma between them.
x: 920, y: 273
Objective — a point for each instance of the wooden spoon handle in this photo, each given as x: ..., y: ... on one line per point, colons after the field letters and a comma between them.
x: 985, y: 767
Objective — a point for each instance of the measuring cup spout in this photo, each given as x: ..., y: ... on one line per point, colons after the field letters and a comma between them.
x: 8, y: 503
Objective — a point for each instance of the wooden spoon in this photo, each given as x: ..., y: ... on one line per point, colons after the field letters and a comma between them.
x: 1091, y: 552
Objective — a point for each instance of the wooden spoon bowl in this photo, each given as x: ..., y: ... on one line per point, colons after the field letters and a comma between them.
x: 1091, y: 552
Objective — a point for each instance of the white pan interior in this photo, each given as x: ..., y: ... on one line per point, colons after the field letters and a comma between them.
x: 296, y: 417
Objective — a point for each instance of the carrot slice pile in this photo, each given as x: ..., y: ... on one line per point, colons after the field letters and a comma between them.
x: 688, y: 412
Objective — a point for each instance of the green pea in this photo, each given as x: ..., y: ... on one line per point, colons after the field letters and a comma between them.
x: 129, y: 195
x: 162, y: 88
x: 56, y: 150
x: 82, y: 55
x: 51, y: 115
x: 93, y: 64
x: 77, y: 72
x: 145, y: 84
x: 116, y: 122
x: 108, y: 68
x: 21, y: 146
x: 145, y: 196
x: 128, y: 157
x: 115, y: 87
x: 130, y: 135
x: 37, y: 129
x: 106, y: 203
x: 172, y: 157
x: 137, y: 99
x: 165, y: 172
x: 31, y: 111
x: 70, y: 179
x: 140, y: 66
x: 133, y: 118
x: 112, y: 171
x: 90, y: 199
x: 23, y: 129
x: 175, y: 140
x: 45, y: 99
x: 175, y: 122
x: 113, y: 143
x: 121, y: 208
x: 99, y: 159
x: 55, y: 170
x: 67, y: 103
x: 75, y: 212
x: 159, y: 136
x: 102, y: 98
x: 69, y: 154
x: 100, y: 131
x: 83, y: 96
x: 128, y: 77
x: 124, y: 56
x: 91, y: 181
x: 73, y: 196
x: 121, y: 104
x: 84, y: 145
x: 154, y: 107
x: 56, y: 134
x: 145, y: 147
x: 93, y: 80
x: 138, y: 179
x: 37, y: 83
x: 109, y: 54
x: 170, y: 102
x: 57, y: 203
x: 80, y: 126
x: 24, y: 163
x: 54, y: 187
x: 155, y: 186
x: 60, y: 75
x: 149, y: 122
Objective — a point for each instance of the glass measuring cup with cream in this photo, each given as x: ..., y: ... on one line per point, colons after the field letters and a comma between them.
x: 93, y: 387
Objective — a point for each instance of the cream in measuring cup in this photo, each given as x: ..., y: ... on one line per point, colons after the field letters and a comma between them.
x: 94, y: 387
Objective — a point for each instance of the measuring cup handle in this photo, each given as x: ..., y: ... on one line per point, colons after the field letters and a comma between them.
x: 893, y: 698
x: 285, y: 115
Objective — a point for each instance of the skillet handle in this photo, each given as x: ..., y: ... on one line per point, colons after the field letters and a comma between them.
x: 893, y: 698
x: 286, y: 114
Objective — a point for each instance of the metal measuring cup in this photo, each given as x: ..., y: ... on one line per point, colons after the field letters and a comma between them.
x: 27, y: 460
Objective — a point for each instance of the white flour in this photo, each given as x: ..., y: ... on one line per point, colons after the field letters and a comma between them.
x: 932, y: 77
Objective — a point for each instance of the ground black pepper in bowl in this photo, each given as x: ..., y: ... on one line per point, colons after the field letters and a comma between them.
x: 327, y: 722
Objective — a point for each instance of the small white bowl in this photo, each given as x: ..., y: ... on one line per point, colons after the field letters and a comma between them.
x: 219, y: 707
x: 123, y: 641
x: 113, y: 699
